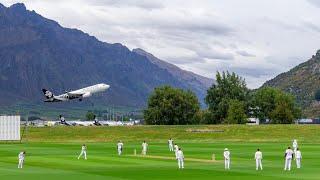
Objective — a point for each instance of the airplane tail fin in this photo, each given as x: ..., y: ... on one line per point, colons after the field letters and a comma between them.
x: 47, y: 93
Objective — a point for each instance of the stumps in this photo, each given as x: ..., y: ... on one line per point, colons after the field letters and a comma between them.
x: 213, y: 157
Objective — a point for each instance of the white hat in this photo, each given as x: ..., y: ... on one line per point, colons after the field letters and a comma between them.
x: 225, y: 149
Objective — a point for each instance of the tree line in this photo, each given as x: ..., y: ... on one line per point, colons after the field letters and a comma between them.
x: 228, y: 101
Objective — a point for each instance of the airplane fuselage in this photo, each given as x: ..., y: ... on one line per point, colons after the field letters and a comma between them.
x: 77, y: 94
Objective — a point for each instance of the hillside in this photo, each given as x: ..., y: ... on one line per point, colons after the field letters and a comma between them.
x: 302, y: 81
x: 37, y: 53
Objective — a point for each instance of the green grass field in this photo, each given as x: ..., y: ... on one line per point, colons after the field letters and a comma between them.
x: 52, y: 152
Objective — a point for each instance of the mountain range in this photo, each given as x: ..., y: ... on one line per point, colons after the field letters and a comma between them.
x: 36, y: 53
x: 303, y: 81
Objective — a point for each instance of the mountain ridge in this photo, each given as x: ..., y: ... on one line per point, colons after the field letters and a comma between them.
x: 302, y: 81
x: 36, y: 53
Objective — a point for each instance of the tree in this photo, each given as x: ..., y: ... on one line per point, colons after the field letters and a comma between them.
x: 281, y: 115
x: 32, y: 118
x: 228, y: 87
x: 276, y: 105
x: 286, y: 111
x: 317, y: 95
x: 205, y: 117
x: 90, y: 115
x: 236, y: 112
x: 264, y: 102
x: 169, y: 106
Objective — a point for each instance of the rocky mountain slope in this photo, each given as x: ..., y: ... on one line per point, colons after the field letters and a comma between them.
x: 37, y: 53
x: 303, y: 81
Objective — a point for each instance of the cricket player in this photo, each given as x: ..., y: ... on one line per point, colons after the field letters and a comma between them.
x: 144, y: 148
x: 288, y: 158
x: 226, y: 155
x: 294, y: 145
x: 170, y: 143
x: 176, y: 149
x: 180, y: 158
x: 258, y: 157
x: 298, y: 157
x: 21, y: 157
x: 120, y: 147
x: 83, y: 152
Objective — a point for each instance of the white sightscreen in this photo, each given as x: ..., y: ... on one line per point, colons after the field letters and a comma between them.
x: 9, y: 128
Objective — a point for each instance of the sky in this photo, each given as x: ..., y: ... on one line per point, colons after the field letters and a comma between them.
x: 256, y: 39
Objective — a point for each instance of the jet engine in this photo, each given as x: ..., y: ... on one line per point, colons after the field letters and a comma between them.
x: 85, y: 95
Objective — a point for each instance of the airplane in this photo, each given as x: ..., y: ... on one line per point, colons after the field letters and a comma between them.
x: 96, y: 121
x: 82, y: 123
x: 77, y: 94
x: 63, y: 121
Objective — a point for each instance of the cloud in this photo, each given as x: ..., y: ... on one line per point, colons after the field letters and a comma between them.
x: 312, y: 26
x: 273, y: 22
x: 143, y: 4
x: 254, y: 72
x: 213, y: 54
x: 316, y: 3
x: 245, y: 54
x: 201, y: 36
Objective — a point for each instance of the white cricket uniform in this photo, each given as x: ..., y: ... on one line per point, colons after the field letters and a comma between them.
x: 289, y: 154
x: 295, y: 145
x: 83, y: 152
x: 120, y: 147
x: 176, y: 149
x: 144, y: 148
x: 21, y: 159
x: 298, y: 158
x: 170, y: 143
x: 180, y: 158
x: 226, y: 155
x: 258, y: 157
